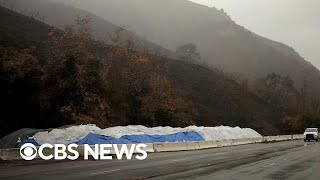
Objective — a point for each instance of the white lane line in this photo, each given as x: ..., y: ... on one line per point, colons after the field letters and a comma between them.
x: 103, y: 172
x: 249, y: 149
x: 269, y: 165
x: 177, y: 160
x: 299, y: 156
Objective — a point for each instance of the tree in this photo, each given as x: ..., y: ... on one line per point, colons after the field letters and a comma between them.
x: 309, y: 106
x: 279, y: 90
x: 166, y: 102
x: 77, y: 85
x: 142, y: 92
x: 291, y: 125
x: 73, y: 76
x: 305, y: 98
x: 124, y: 87
x: 189, y: 52
x: 20, y: 82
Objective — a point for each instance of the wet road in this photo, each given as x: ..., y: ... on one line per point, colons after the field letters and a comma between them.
x: 281, y: 160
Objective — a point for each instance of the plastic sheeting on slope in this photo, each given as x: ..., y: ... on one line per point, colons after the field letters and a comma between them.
x: 92, y: 139
x: 76, y: 133
x: 25, y: 141
x: 66, y: 135
x: 224, y: 132
x: 10, y: 141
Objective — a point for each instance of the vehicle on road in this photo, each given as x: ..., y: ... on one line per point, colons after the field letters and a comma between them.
x: 311, y: 134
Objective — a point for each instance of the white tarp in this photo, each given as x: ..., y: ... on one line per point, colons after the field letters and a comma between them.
x: 75, y: 133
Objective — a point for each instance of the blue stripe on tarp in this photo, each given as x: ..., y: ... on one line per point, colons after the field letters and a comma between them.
x: 92, y: 139
x: 25, y: 141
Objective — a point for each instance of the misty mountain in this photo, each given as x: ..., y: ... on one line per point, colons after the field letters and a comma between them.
x: 62, y: 15
x: 221, y: 42
x: 219, y: 100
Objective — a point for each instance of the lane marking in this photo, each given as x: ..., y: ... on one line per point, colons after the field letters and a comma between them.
x: 103, y: 172
x: 269, y: 165
x: 249, y: 149
x: 177, y: 160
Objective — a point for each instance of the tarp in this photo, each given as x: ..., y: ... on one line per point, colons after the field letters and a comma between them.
x: 77, y: 133
x: 92, y: 139
x: 91, y: 134
x: 26, y: 140
x: 10, y: 141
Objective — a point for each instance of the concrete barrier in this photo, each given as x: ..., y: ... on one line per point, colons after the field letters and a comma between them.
x: 168, y: 147
x: 14, y: 154
x: 10, y: 154
x: 279, y: 138
x: 271, y: 138
x: 257, y: 140
x: 241, y: 141
x: 185, y: 146
x: 297, y: 136
x: 247, y: 141
x: 287, y: 137
x: 282, y: 138
x: 225, y: 143
x: 205, y: 145
x: 148, y: 149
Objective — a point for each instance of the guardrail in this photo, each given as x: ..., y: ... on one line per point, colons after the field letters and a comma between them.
x: 282, y: 138
x: 14, y: 154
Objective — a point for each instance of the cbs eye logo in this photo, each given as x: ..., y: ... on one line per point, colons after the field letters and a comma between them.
x: 28, y: 151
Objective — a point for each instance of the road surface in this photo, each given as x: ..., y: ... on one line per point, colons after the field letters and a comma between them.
x: 282, y: 160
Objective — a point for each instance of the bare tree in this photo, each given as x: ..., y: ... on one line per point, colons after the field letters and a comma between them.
x: 189, y: 52
x: 305, y: 99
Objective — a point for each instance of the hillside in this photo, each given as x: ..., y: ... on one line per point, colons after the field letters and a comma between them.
x: 220, y: 101
x: 63, y: 15
x: 221, y: 42
x: 18, y: 31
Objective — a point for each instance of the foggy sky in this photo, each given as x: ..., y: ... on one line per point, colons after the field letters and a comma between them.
x: 292, y: 22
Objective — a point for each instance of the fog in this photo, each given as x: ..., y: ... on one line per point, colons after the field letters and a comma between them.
x: 218, y: 38
x: 220, y: 41
x: 292, y: 22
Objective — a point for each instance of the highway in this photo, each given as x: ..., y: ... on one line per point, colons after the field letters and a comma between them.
x: 281, y: 160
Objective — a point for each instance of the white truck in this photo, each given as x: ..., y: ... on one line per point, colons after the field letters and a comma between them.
x: 311, y: 134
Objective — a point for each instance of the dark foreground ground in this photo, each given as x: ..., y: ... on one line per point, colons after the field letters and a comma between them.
x: 282, y: 160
